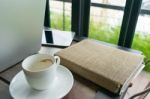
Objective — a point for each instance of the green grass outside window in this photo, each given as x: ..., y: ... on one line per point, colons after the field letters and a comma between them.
x: 103, y: 32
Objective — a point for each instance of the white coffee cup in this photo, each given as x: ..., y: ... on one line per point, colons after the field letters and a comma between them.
x: 42, y: 78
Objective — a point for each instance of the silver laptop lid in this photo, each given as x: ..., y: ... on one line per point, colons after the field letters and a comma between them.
x: 21, y: 25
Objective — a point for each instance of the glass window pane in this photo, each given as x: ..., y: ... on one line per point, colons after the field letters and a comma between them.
x: 142, y: 37
x: 146, y: 4
x: 105, y: 24
x: 68, y: 9
x: 60, y: 15
x: 111, y: 2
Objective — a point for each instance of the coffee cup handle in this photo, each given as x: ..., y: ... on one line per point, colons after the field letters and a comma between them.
x: 57, y: 60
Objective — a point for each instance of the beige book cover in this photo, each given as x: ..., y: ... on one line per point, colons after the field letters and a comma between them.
x: 102, y: 64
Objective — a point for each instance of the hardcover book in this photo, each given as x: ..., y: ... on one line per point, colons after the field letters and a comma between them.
x: 107, y: 66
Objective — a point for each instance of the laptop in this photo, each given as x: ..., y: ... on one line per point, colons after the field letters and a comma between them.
x: 21, y: 26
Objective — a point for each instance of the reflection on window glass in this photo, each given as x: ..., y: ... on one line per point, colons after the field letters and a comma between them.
x: 60, y: 15
x: 111, y: 2
x: 146, y: 4
x: 105, y: 24
x: 142, y: 37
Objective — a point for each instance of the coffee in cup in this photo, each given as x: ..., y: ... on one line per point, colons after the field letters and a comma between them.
x: 40, y: 70
x: 41, y: 65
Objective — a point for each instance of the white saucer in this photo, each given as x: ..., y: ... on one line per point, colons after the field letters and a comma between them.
x: 19, y: 88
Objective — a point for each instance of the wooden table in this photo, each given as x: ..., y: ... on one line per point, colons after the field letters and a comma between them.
x: 82, y: 88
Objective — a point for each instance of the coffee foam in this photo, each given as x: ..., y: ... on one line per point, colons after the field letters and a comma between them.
x: 40, y: 65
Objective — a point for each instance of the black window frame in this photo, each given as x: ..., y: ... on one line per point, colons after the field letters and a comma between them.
x: 81, y: 14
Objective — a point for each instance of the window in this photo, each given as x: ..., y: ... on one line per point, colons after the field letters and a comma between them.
x: 142, y: 37
x: 110, y: 2
x: 60, y: 15
x: 105, y: 23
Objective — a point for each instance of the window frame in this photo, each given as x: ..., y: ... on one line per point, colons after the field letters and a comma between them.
x: 81, y: 15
